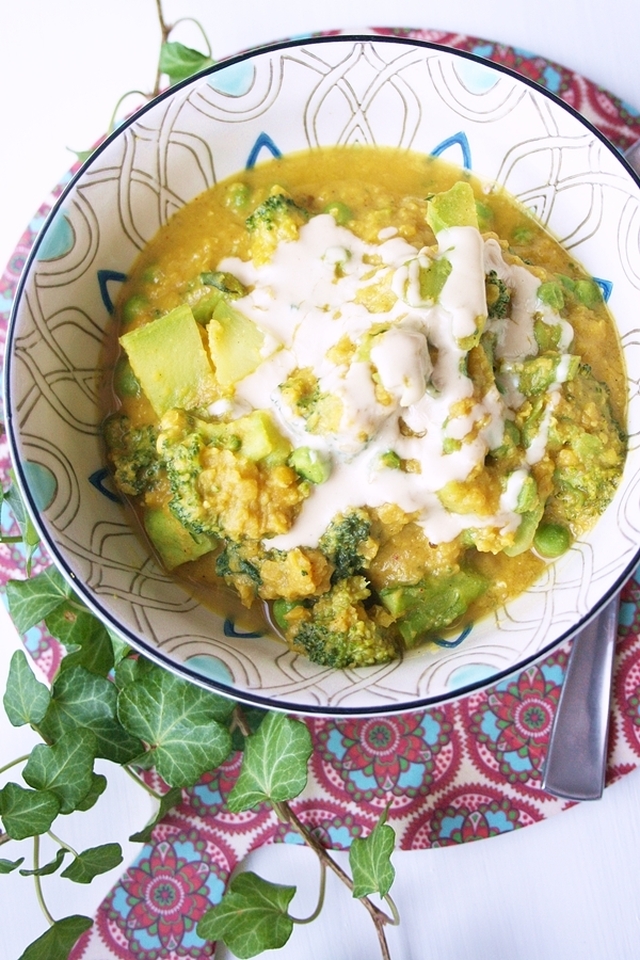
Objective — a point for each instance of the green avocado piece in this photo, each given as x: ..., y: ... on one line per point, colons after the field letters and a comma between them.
x: 260, y: 438
x: 169, y: 359
x: 235, y: 344
x: 173, y: 542
x: 432, y: 604
x: 455, y: 207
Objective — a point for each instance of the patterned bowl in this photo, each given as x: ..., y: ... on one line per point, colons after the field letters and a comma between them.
x: 299, y: 94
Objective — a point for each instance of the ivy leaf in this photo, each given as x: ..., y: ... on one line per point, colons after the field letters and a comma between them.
x: 120, y: 647
x: 27, y: 813
x: 25, y: 699
x: 251, y: 917
x: 274, y: 767
x: 48, y: 868
x: 75, y: 626
x: 179, y: 62
x: 81, y: 699
x: 92, y: 862
x: 369, y: 859
x: 65, y: 768
x: 30, y: 601
x: 80, y: 155
x: 97, y: 788
x: 28, y: 532
x: 167, y: 802
x: 130, y: 669
x: 57, y: 942
x: 8, y: 866
x: 178, y: 722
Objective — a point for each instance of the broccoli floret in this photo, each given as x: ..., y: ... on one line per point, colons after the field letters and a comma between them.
x: 322, y: 412
x: 347, y: 544
x: 498, y: 296
x: 277, y: 218
x: 225, y: 282
x: 337, y: 630
x: 132, y: 453
x: 588, y: 447
x: 230, y: 479
x: 276, y: 210
x: 239, y: 566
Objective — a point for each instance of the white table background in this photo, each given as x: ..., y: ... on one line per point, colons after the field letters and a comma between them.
x: 565, y: 889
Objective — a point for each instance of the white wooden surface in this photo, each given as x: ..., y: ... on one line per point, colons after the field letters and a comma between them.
x: 565, y: 889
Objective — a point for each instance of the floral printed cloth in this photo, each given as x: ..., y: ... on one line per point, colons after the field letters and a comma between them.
x: 463, y: 771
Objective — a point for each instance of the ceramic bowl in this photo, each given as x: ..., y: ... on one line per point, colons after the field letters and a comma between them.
x: 300, y: 94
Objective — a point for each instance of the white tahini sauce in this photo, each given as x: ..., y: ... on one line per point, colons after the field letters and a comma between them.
x: 404, y: 389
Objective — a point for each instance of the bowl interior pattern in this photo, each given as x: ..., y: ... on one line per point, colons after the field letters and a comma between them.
x: 298, y: 95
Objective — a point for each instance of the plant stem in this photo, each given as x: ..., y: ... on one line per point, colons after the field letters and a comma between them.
x: 14, y: 763
x: 323, y: 887
x: 394, y: 910
x: 379, y: 917
x: 240, y: 721
x: 114, y: 115
x: 61, y: 843
x: 36, y: 864
x: 165, y: 30
x: 134, y: 776
x: 201, y: 29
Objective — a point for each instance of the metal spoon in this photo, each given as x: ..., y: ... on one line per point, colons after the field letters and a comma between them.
x: 577, y: 756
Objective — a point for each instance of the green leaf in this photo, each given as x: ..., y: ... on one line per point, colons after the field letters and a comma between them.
x: 168, y: 801
x: 81, y: 699
x: 72, y: 624
x: 275, y: 763
x: 57, y: 942
x: 179, y: 62
x: 178, y: 722
x: 80, y: 155
x: 48, y: 868
x: 369, y: 859
x: 92, y: 862
x: 120, y: 647
x: 30, y: 601
x: 25, y: 699
x: 65, y: 768
x: 131, y: 669
x: 27, y: 813
x: 30, y: 536
x: 97, y: 788
x: 8, y: 866
x: 251, y: 917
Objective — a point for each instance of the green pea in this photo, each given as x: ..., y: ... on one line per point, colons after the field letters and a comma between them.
x: 134, y: 307
x: 588, y: 293
x: 339, y: 211
x: 522, y: 235
x: 485, y: 215
x: 237, y: 195
x: 125, y: 382
x: 280, y: 610
x: 152, y: 274
x: 552, y: 540
x: 551, y: 294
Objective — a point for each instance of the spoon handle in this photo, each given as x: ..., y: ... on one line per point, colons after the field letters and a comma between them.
x: 577, y: 755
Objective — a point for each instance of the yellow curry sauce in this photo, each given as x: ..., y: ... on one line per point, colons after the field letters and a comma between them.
x: 364, y: 396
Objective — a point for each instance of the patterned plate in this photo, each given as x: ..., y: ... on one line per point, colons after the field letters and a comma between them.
x: 463, y: 771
